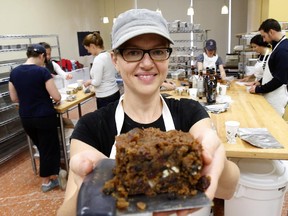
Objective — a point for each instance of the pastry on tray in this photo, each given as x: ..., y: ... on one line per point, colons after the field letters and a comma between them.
x: 151, y: 162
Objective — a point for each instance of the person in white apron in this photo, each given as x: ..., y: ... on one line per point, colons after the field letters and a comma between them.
x: 210, y: 59
x: 261, y: 47
x: 277, y: 98
x: 275, y: 77
x: 141, y: 49
x: 53, y: 67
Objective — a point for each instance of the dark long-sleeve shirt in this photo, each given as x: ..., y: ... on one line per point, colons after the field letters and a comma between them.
x: 278, y: 64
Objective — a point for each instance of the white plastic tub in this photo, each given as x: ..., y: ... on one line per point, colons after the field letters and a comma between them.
x: 261, y: 188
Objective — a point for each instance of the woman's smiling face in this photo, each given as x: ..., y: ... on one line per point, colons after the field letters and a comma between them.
x: 147, y: 75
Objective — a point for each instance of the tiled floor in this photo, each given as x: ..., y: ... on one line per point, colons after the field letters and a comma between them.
x: 20, y: 193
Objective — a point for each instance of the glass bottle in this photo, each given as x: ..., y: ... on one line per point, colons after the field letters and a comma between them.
x: 211, y: 90
x: 200, y: 86
x: 191, y: 78
x: 206, y: 78
x: 195, y: 81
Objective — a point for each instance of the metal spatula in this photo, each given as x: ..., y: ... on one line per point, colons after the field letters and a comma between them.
x: 92, y: 201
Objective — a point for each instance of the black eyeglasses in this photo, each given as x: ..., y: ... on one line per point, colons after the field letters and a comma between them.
x: 135, y: 54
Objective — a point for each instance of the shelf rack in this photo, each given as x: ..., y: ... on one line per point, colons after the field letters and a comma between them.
x: 188, y: 44
x: 13, y: 48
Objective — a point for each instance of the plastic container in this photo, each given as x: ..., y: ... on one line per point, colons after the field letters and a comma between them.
x: 261, y: 188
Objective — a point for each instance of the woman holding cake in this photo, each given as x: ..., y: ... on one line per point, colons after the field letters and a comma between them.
x: 141, y: 49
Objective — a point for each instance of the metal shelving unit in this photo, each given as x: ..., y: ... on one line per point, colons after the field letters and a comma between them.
x: 188, y: 44
x: 246, y: 53
x: 13, y: 48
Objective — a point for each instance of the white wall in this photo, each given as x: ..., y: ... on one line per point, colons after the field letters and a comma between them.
x: 254, y: 15
x: 62, y: 17
x: 67, y: 17
x: 207, y: 13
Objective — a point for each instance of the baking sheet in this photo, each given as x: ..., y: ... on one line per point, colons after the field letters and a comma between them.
x: 91, y: 200
x: 259, y: 137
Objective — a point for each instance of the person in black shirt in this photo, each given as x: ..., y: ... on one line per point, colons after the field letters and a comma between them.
x: 32, y: 86
x: 273, y: 86
x: 141, y: 51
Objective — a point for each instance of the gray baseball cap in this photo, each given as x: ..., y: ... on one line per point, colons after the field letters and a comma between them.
x: 136, y: 22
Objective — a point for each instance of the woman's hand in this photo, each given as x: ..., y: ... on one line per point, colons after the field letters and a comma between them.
x: 214, y: 159
x: 87, y: 83
x: 252, y: 89
x: 69, y: 76
x: 84, y: 159
x: 82, y: 164
x: 216, y: 164
x: 223, y: 173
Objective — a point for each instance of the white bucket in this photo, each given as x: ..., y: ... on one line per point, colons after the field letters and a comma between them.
x: 261, y: 188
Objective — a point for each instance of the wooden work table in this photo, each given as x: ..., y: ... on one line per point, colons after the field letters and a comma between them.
x: 63, y: 107
x: 80, y: 97
x: 252, y: 111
